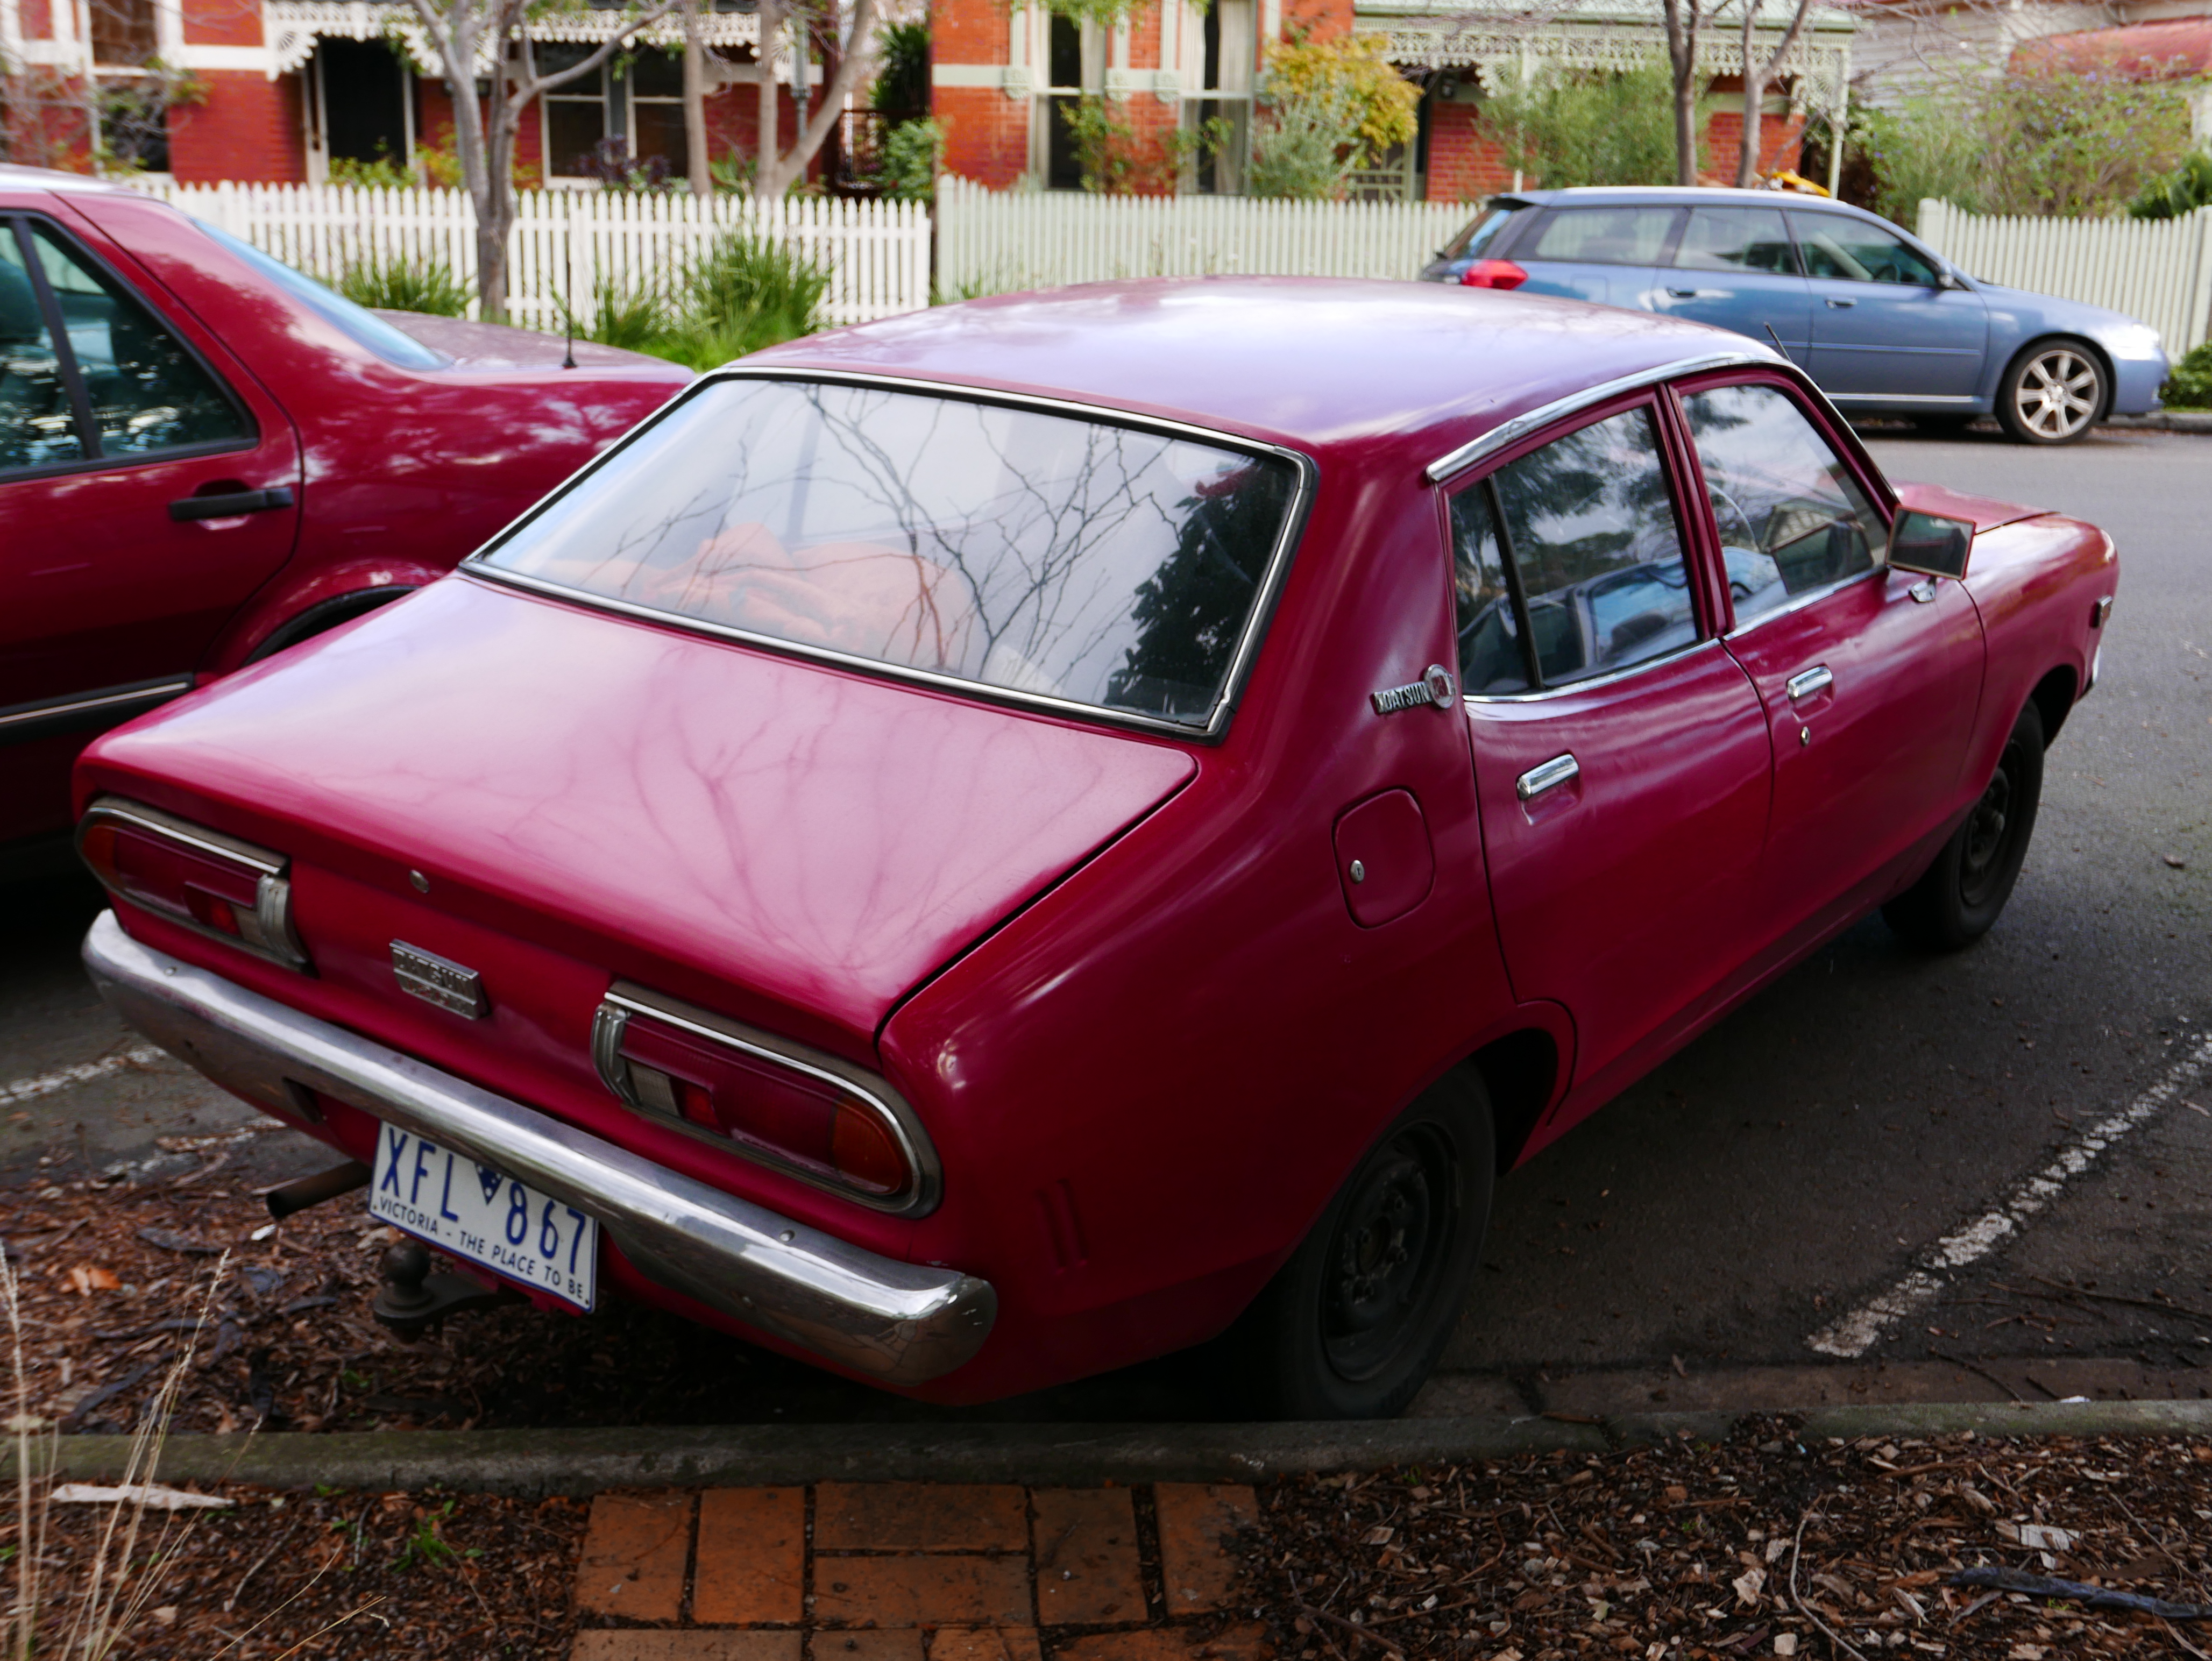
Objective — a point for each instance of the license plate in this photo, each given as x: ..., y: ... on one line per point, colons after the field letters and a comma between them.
x: 473, y: 1211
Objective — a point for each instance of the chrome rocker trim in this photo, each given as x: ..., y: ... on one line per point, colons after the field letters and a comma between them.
x: 899, y: 1323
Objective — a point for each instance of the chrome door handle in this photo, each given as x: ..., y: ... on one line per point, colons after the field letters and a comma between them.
x: 1841, y: 305
x: 1698, y: 293
x: 1549, y: 775
x: 1804, y: 684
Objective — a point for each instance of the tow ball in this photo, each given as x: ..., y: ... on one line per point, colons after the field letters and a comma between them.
x: 413, y: 1299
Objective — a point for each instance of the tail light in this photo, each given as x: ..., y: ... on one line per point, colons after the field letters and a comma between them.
x: 811, y: 1115
x: 1492, y: 274
x: 213, y: 883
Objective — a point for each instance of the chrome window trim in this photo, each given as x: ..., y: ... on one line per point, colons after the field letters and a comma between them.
x: 1459, y: 460
x: 62, y: 711
x: 1537, y: 694
x: 1901, y: 398
x: 1233, y: 685
x: 624, y: 999
x: 279, y: 940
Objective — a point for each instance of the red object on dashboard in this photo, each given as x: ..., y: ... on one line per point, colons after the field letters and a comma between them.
x: 1492, y: 274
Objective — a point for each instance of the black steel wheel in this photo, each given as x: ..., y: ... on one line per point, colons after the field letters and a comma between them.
x: 2052, y: 394
x: 1352, y: 1324
x: 1961, y: 894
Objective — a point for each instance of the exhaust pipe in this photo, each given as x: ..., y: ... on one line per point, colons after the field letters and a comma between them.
x: 298, y: 1195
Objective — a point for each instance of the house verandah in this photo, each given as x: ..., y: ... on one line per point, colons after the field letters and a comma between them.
x: 281, y: 91
x: 1001, y: 78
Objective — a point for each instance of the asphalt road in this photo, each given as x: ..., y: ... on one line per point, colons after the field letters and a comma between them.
x: 1794, y: 1166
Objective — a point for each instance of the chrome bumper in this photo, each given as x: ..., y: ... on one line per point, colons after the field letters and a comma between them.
x: 893, y: 1321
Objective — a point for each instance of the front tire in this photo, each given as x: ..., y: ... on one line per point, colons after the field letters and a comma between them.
x: 1961, y: 895
x: 1351, y: 1326
x: 2052, y: 394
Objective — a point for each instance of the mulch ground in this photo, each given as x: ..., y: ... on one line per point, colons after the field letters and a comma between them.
x: 338, y: 1575
x: 1745, y: 1549
x: 1763, y: 1546
x: 115, y: 1276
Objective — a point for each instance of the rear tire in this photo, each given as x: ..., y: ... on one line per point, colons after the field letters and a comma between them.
x: 2052, y: 394
x: 1961, y: 895
x: 1351, y: 1326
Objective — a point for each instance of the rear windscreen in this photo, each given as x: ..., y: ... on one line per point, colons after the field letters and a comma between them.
x: 1033, y: 552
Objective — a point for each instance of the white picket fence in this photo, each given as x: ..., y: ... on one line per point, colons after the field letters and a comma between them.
x: 566, y: 241
x: 2157, y: 269
x: 990, y: 241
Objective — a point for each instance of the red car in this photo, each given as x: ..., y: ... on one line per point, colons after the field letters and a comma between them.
x: 987, y: 847
x: 206, y: 457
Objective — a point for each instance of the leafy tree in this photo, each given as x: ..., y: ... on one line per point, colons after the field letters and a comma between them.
x: 1354, y: 72
x: 1588, y: 127
x: 2184, y: 190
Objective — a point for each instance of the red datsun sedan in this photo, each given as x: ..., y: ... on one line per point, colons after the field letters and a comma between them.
x: 206, y: 457
x: 987, y: 847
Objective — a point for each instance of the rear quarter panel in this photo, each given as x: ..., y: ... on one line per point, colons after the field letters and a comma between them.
x: 2037, y: 582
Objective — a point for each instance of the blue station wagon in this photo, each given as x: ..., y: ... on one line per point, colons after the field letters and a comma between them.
x: 1882, y: 323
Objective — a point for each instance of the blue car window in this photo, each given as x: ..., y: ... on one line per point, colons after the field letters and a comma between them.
x: 1605, y: 236
x: 1479, y: 235
x: 1792, y: 518
x: 1852, y: 250
x: 1736, y: 240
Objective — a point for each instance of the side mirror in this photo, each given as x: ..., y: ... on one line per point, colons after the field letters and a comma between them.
x: 1929, y: 544
x: 1947, y: 278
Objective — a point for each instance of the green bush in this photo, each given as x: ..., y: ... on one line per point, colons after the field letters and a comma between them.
x: 2190, y: 385
x: 910, y: 164
x: 1305, y: 144
x: 1590, y: 126
x: 2045, y: 143
x: 398, y: 284
x: 2184, y: 190
x: 630, y: 319
x: 750, y: 292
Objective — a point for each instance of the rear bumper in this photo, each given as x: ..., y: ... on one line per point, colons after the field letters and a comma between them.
x: 894, y: 1322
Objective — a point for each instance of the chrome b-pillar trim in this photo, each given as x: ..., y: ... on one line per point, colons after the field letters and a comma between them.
x: 898, y: 1322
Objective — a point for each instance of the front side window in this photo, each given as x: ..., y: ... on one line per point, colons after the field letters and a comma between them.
x: 1792, y: 518
x: 1605, y: 236
x: 38, y: 419
x: 1032, y: 552
x: 1584, y: 528
x: 1736, y: 240
x: 144, y: 391
x: 1852, y: 250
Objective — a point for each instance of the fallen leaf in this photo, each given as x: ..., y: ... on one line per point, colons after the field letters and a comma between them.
x: 169, y: 1240
x: 1747, y: 1586
x: 2176, y: 861
x: 2037, y: 1537
x: 1380, y: 1535
x: 87, y: 1278
x: 166, y: 1616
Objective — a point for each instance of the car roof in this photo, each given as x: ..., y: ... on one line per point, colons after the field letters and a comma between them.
x: 15, y: 176
x: 1594, y: 196
x: 1361, y: 369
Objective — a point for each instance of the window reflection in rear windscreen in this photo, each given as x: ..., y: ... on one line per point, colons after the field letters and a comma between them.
x: 1036, y: 553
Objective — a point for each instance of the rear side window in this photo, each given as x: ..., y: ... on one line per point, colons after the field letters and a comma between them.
x: 38, y: 421
x: 1488, y: 224
x: 401, y: 350
x: 1792, y: 518
x: 1605, y: 236
x: 1568, y: 563
x: 1736, y: 240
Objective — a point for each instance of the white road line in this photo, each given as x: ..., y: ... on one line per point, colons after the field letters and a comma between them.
x: 1860, y: 1330
x: 29, y: 1089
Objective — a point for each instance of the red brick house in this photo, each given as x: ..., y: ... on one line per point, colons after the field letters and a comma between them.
x: 277, y: 91
x: 998, y: 75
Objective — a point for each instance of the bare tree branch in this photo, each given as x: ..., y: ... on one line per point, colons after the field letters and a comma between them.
x: 1756, y: 74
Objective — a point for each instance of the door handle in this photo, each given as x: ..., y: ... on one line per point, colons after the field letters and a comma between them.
x: 1698, y: 293
x: 1804, y: 684
x: 230, y: 503
x: 1548, y: 775
x: 1841, y: 305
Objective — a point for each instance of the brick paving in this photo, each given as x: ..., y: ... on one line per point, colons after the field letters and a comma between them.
x: 915, y: 1571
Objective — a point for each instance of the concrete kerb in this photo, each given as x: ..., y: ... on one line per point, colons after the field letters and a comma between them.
x: 534, y: 1464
